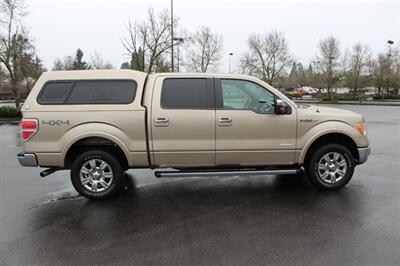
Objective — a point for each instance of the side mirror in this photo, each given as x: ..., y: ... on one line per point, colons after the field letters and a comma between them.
x: 281, y: 107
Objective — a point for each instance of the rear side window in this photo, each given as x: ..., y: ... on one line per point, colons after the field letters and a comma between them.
x: 89, y: 92
x: 187, y: 93
x: 102, y: 92
x: 54, y: 93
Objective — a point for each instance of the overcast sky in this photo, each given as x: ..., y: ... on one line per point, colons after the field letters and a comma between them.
x: 59, y: 27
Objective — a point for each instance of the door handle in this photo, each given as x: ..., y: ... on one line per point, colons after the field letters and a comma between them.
x: 224, y: 121
x: 161, y: 122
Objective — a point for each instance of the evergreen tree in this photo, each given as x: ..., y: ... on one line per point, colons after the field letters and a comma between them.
x: 79, y: 64
x: 137, y: 60
x: 301, y: 75
x: 125, y: 65
x: 293, y: 76
x: 310, y: 70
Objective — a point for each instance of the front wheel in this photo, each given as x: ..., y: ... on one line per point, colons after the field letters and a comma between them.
x: 96, y: 174
x: 330, y: 167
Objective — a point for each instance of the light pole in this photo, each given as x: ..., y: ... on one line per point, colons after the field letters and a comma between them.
x: 179, y: 41
x: 230, y: 54
x: 172, y: 35
x: 389, y: 63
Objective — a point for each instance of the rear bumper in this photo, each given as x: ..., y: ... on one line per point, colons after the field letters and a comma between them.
x: 363, y: 154
x: 27, y: 159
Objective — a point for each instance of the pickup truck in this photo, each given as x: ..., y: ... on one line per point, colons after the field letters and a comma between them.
x: 101, y: 123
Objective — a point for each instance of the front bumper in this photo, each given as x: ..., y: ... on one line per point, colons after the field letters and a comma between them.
x: 363, y: 154
x: 27, y: 159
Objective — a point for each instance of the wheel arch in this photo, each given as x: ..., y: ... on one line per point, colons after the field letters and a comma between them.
x: 330, y: 137
x: 93, y: 143
x: 92, y: 136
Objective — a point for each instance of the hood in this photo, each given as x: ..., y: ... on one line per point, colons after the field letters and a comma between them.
x: 322, y: 113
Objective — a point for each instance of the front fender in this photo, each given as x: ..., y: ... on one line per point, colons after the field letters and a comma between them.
x: 328, y: 127
x: 96, y: 129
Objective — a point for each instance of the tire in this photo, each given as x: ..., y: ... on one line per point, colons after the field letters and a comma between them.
x: 96, y: 174
x: 330, y: 167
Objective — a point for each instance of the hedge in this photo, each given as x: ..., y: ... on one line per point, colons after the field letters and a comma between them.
x: 10, y: 111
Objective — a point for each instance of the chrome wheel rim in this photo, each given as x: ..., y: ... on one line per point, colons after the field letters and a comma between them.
x: 96, y: 175
x: 332, y: 167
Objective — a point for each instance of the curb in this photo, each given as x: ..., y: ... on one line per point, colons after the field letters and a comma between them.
x: 10, y: 120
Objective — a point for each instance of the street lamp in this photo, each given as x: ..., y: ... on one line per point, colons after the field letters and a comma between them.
x: 230, y: 54
x: 390, y: 42
x: 179, y: 41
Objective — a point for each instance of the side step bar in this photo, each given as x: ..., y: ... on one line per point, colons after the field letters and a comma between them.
x: 188, y: 173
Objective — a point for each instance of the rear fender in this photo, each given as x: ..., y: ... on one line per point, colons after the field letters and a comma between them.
x: 96, y: 129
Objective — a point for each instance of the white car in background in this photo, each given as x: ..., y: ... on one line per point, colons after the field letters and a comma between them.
x: 309, y: 90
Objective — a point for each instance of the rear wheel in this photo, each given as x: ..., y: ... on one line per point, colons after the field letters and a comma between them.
x: 330, y: 167
x: 96, y: 174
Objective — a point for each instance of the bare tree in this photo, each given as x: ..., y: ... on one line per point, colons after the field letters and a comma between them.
x: 65, y: 63
x: 97, y: 62
x: 148, y: 40
x: 396, y: 69
x: 330, y: 63
x: 204, y: 50
x: 268, y: 56
x: 386, y: 72
x: 14, y: 43
x: 379, y: 73
x: 135, y: 45
x: 358, y: 66
x: 2, y: 74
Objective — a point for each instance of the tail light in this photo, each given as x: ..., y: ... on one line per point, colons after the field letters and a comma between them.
x: 28, y: 128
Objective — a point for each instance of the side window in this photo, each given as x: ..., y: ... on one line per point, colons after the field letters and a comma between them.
x: 88, y: 92
x: 103, y: 91
x: 246, y: 95
x: 187, y: 93
x: 55, y: 93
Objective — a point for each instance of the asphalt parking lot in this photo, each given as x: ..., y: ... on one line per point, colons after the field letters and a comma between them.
x: 225, y: 220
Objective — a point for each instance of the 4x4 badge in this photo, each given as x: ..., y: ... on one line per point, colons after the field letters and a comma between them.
x: 308, y: 120
x: 55, y: 122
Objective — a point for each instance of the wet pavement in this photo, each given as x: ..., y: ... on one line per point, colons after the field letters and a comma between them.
x: 229, y: 220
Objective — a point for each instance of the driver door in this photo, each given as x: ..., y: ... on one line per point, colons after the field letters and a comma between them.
x: 248, y: 132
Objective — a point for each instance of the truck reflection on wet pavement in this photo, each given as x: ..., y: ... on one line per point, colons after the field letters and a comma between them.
x: 222, y: 220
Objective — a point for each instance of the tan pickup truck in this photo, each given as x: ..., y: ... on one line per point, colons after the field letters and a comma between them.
x: 101, y: 123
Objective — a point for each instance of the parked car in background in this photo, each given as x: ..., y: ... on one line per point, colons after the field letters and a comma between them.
x: 302, y: 91
x: 291, y: 91
x: 307, y: 90
x: 99, y: 123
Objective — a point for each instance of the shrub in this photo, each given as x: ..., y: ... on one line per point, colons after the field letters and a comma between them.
x: 387, y: 97
x: 324, y: 97
x: 10, y: 111
x: 293, y: 95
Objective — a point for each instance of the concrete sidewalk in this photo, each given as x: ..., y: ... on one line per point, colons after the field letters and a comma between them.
x: 376, y: 103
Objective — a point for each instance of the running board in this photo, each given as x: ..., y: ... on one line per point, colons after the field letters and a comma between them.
x: 188, y: 173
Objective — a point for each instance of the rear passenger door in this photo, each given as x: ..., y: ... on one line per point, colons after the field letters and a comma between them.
x: 183, y: 122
